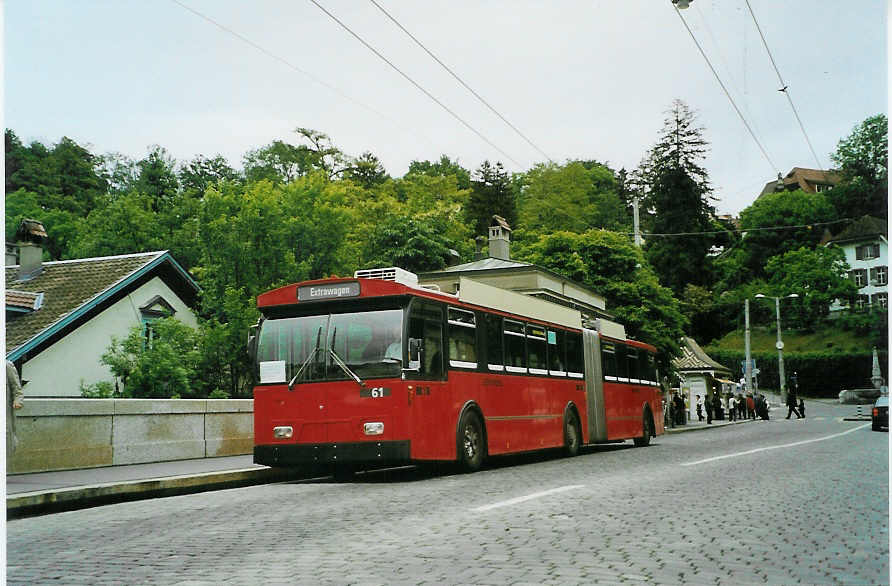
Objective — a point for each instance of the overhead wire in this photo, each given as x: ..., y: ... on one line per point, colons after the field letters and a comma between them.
x: 416, y: 84
x: 461, y: 81
x: 287, y: 63
x: 784, y: 88
x: 727, y: 94
x: 742, y: 230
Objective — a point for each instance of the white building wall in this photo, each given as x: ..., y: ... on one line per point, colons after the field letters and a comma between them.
x: 59, y: 370
x: 881, y: 261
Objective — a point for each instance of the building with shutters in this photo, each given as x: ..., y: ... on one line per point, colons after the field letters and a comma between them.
x: 865, y: 244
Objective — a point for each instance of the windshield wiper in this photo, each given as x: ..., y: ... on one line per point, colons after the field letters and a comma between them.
x: 341, y: 363
x: 311, y: 356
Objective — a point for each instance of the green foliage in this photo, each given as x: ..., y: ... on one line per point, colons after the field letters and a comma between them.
x: 98, y: 390
x: 367, y: 171
x: 158, y: 366
x: 820, y: 374
x: 491, y: 195
x: 611, y: 265
x: 571, y: 197
x: 445, y: 167
x: 218, y: 394
x: 818, y: 276
x: 201, y: 172
x: 157, y: 178
x: 863, y: 160
x: 125, y: 225
x: 777, y: 210
x: 409, y: 243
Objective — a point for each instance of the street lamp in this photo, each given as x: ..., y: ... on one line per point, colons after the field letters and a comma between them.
x: 779, y: 345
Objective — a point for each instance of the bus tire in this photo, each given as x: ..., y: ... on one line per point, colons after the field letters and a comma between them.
x: 471, y: 442
x: 647, y: 431
x: 572, y: 434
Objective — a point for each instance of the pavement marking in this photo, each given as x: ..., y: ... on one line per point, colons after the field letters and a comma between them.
x: 528, y: 497
x: 820, y: 439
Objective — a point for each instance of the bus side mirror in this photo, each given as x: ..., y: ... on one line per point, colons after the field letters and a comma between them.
x: 252, y: 343
x: 415, y: 350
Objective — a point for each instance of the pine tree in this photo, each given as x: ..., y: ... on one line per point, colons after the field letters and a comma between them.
x: 491, y: 194
x: 678, y: 195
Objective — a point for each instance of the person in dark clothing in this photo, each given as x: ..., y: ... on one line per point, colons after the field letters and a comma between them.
x: 761, y: 407
x: 708, y: 409
x: 792, y: 403
x: 801, y: 407
x: 717, y: 406
x: 679, y: 410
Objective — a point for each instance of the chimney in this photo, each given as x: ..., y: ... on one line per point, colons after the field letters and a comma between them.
x: 499, y: 238
x: 30, y: 238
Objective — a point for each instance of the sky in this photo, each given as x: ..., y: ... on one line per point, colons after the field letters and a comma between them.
x: 578, y: 79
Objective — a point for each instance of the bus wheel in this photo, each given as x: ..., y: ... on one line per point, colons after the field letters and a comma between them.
x: 644, y: 440
x: 470, y: 442
x: 571, y: 435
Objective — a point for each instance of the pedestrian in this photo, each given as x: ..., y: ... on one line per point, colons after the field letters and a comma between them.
x: 14, y: 397
x: 792, y: 403
x: 679, y: 410
x: 708, y: 402
x: 761, y: 407
x: 699, y: 408
x: 716, y: 406
x: 801, y: 407
x: 732, y: 407
x: 750, y: 406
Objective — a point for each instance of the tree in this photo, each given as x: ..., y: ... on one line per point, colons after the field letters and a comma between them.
x: 367, y: 171
x: 157, y: 178
x: 278, y: 162
x: 611, y: 265
x: 569, y: 197
x: 414, y: 244
x: 677, y: 192
x: 863, y: 159
x: 156, y: 361
x: 125, y: 225
x: 201, y: 172
x: 445, y: 167
x: 817, y: 275
x: 491, y: 194
x: 778, y: 222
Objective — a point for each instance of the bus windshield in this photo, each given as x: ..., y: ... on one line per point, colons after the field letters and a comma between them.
x: 368, y: 342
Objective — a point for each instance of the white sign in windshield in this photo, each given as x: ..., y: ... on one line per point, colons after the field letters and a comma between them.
x: 272, y: 371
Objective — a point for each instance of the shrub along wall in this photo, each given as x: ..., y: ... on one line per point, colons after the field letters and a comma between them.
x: 821, y: 374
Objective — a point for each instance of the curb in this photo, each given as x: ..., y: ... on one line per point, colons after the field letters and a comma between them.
x: 66, y: 499
x: 707, y: 426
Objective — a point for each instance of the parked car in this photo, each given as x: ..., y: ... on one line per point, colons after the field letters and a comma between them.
x: 859, y: 396
x: 880, y: 415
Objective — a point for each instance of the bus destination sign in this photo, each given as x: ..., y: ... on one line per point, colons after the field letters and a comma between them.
x: 331, y: 291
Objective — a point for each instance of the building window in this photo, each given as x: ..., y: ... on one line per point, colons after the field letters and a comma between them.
x: 822, y: 187
x: 867, y: 252
x: 879, y: 276
x: 862, y: 301
x: 860, y: 277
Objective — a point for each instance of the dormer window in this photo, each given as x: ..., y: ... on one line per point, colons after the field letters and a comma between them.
x: 155, y: 309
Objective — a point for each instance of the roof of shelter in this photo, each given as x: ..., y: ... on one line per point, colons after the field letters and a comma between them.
x: 694, y: 359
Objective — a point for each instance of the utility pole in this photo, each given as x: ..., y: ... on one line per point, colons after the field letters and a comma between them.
x: 636, y: 222
x: 748, y: 365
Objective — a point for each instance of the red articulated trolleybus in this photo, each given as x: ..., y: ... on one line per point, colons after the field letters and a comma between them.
x: 372, y: 371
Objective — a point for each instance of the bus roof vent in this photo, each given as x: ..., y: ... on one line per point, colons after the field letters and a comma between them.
x: 395, y: 274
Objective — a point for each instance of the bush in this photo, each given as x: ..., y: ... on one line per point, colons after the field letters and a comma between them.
x: 158, y: 364
x: 100, y: 390
x: 820, y: 374
x: 218, y: 394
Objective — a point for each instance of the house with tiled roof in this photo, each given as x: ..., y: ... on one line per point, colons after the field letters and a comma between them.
x: 61, y: 316
x: 801, y: 178
x: 866, y: 246
x: 699, y: 374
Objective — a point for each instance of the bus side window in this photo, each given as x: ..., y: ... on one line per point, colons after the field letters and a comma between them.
x: 647, y: 368
x: 575, y: 355
x: 426, y: 324
x: 536, y: 349
x: 556, y: 352
x: 622, y: 368
x: 515, y: 346
x: 462, y: 338
x: 632, y: 364
x: 493, y: 331
x: 608, y: 360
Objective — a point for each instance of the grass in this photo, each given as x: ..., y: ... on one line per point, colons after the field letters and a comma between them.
x: 763, y: 339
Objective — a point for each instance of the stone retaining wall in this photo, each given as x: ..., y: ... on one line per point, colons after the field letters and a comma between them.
x: 65, y: 434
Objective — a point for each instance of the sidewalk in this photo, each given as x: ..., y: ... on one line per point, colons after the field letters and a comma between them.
x: 43, y: 492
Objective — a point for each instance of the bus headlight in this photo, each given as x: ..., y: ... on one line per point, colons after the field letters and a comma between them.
x: 283, y: 432
x: 374, y: 428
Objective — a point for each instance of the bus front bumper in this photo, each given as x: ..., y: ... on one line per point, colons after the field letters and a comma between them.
x: 284, y: 455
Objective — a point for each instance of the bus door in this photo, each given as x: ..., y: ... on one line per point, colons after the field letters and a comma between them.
x: 430, y: 423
